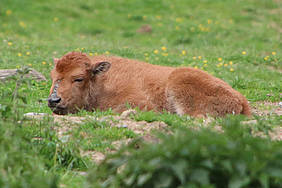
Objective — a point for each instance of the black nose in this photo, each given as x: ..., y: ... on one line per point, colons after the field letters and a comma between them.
x: 54, y: 100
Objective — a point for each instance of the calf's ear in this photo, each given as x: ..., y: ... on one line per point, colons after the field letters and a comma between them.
x: 101, y: 67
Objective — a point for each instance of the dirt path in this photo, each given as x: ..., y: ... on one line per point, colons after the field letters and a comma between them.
x: 144, y: 129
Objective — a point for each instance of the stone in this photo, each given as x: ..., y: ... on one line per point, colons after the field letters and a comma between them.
x: 7, y: 73
x: 126, y: 114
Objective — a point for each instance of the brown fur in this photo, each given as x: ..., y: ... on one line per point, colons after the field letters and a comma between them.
x: 149, y: 87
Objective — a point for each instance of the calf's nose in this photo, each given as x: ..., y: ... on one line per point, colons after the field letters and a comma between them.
x: 54, y: 100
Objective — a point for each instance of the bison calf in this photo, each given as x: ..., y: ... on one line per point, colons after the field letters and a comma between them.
x: 81, y: 82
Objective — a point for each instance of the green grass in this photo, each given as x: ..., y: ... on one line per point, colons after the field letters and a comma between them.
x: 98, y: 136
x: 195, y: 159
x: 235, y: 40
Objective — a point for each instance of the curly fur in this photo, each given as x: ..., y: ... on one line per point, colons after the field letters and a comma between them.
x: 149, y: 87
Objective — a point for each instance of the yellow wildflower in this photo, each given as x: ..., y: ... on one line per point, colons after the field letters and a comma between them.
x: 19, y: 54
x: 266, y: 58
x: 95, y: 53
x: 231, y: 69
x: 18, y: 66
x: 146, y: 54
x: 225, y: 65
x: 183, y: 52
x: 158, y: 17
x: 8, y: 12
x: 199, y: 57
x: 147, y: 58
x: 178, y: 20
x: 196, y: 67
x: 82, y: 48
x: 43, y: 63
x: 230, y: 63
x: 10, y: 43
x: 205, y: 61
x: 219, y: 65
x: 194, y: 58
x: 164, y: 48
x: 90, y: 54
x: 144, y: 17
x: 177, y: 28
x: 219, y: 59
x: 273, y: 53
x: 56, y: 19
x: 244, y: 53
x: 22, y: 24
x: 205, y: 65
x: 156, y: 51
x: 209, y: 21
x: 29, y: 64
x: 107, y: 52
x: 27, y: 53
x: 165, y: 54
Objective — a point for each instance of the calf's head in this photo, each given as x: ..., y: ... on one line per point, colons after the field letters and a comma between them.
x: 74, y: 79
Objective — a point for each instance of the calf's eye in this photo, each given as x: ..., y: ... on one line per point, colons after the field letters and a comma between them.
x: 78, y: 80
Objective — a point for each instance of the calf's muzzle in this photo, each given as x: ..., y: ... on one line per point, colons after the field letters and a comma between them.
x: 54, y: 99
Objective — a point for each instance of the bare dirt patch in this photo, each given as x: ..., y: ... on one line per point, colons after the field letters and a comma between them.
x: 145, y: 29
x: 144, y: 129
x: 274, y: 134
x: 276, y: 27
x: 65, y: 123
x: 262, y: 108
x: 274, y: 69
x: 95, y: 156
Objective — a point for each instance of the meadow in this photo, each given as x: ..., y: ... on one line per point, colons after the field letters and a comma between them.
x: 238, y: 41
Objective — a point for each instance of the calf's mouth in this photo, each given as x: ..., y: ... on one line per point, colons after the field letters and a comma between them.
x: 59, y: 110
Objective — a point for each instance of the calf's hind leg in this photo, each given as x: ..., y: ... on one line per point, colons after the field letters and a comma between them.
x: 196, y: 93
